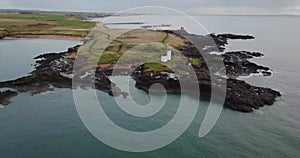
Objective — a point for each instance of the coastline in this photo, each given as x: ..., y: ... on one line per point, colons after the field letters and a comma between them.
x: 6, y: 97
x: 56, y: 70
x: 55, y: 37
x: 48, y: 26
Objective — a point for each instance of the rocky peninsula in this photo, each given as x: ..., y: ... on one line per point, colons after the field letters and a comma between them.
x: 55, y: 70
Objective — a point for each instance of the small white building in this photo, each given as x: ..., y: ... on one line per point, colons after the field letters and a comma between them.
x: 168, y: 57
x: 164, y: 59
x: 2, y: 29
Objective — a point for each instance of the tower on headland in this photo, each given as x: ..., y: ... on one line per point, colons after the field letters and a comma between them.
x: 181, y: 31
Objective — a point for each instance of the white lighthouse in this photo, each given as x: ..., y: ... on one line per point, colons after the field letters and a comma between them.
x: 169, y: 54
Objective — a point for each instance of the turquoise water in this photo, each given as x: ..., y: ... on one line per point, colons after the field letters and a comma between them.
x: 48, y: 125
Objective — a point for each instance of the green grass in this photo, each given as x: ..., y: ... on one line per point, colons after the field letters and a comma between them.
x: 45, y: 17
x: 30, y: 24
x: 144, y: 52
x: 3, y: 34
x: 195, y: 62
x: 164, y: 41
x: 49, y: 32
x: 156, y: 67
x: 133, y: 48
x: 107, y: 58
x: 59, y: 20
x: 75, y: 24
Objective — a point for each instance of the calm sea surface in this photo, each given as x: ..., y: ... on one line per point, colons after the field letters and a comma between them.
x: 47, y: 125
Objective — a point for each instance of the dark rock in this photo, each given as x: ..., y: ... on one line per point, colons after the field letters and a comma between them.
x: 6, y: 96
x: 53, y: 70
x: 240, y: 95
x: 237, y: 64
x: 233, y: 36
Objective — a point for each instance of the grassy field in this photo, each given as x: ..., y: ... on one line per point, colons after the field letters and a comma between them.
x: 43, y: 24
x: 131, y: 47
x: 157, y: 67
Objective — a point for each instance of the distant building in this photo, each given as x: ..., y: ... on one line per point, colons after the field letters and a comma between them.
x: 181, y: 31
x: 2, y: 28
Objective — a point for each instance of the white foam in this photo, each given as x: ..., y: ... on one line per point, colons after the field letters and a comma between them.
x: 259, y: 112
x: 47, y: 92
x: 85, y: 75
x: 70, y: 76
x: 207, y: 47
x: 218, y: 74
x: 216, y: 53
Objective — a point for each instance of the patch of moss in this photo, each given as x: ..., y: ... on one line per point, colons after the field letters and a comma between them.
x: 195, y: 62
x: 157, y: 67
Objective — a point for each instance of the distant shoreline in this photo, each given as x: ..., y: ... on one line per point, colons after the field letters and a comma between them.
x: 48, y: 26
x: 55, y: 37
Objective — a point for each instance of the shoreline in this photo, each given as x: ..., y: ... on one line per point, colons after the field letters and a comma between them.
x: 54, y: 37
x: 56, y: 70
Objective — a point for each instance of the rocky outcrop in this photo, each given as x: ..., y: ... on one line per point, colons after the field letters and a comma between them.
x: 55, y: 71
x: 244, y: 97
x: 6, y: 96
x: 240, y: 96
x: 237, y: 64
x: 234, y: 36
x: 38, y: 82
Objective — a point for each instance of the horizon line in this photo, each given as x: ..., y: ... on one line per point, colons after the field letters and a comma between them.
x: 106, y: 12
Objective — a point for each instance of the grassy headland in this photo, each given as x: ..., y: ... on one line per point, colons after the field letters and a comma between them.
x: 26, y: 25
x: 138, y: 45
x: 131, y: 47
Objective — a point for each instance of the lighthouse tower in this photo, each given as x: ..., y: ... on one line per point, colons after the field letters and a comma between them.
x: 169, y: 54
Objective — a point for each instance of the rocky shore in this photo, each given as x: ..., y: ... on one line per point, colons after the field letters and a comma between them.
x: 237, y: 64
x: 240, y: 96
x: 53, y: 70
x: 56, y: 70
x: 6, y: 96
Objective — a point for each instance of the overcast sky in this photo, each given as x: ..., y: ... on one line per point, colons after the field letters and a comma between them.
x: 189, y: 6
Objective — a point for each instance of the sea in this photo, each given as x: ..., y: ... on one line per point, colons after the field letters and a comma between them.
x: 48, y: 125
